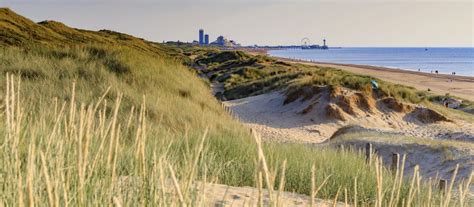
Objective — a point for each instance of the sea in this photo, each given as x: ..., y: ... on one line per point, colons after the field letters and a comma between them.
x: 444, y: 60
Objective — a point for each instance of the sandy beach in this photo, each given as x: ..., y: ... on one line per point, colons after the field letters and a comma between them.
x: 461, y: 86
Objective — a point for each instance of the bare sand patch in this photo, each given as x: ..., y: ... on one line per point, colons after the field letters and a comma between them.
x: 223, y: 195
x: 315, y: 119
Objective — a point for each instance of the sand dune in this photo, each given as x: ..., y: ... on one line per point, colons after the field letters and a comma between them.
x: 461, y: 86
x: 286, y: 123
x: 275, y: 121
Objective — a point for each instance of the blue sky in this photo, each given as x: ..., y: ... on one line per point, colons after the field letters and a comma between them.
x: 423, y: 23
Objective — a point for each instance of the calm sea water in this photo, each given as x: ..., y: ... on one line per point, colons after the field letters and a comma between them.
x: 445, y: 60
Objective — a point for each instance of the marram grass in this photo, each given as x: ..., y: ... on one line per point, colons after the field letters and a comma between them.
x: 120, y: 123
x: 79, y: 154
x: 76, y: 131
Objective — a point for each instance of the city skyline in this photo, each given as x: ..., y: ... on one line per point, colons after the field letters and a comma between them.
x: 394, y: 23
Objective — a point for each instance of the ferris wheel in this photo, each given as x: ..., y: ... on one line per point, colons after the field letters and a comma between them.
x: 305, y: 43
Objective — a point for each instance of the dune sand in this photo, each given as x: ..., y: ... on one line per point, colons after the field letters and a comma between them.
x: 461, y: 86
x: 268, y: 116
x: 274, y: 121
x: 223, y: 195
x: 277, y: 122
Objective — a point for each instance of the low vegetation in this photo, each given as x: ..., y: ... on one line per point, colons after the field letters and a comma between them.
x: 244, y: 75
x: 73, y: 153
x: 352, y: 132
x: 120, y: 121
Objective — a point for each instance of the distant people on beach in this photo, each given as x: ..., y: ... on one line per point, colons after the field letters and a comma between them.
x: 453, y: 73
x: 436, y: 71
x: 446, y: 103
x: 374, y: 84
x: 419, y: 70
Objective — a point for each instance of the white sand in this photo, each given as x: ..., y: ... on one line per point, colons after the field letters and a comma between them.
x: 267, y: 115
x: 276, y: 122
x: 223, y: 195
x: 218, y: 195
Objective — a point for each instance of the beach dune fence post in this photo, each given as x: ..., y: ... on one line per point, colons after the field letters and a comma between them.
x: 442, y: 185
x: 340, y: 147
x: 395, y: 162
x: 368, y: 152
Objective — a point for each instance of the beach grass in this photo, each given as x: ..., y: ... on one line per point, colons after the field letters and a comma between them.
x: 123, y: 121
x: 94, y: 128
x: 74, y: 153
x: 246, y: 75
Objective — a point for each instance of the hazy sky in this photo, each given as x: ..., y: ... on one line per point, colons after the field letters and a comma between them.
x: 422, y: 23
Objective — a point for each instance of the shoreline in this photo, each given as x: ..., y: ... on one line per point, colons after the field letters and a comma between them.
x: 382, y: 68
x: 441, y: 84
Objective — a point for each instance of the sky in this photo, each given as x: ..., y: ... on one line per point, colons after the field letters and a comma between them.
x: 359, y: 23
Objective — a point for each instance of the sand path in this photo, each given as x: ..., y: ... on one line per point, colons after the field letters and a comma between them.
x: 223, y: 195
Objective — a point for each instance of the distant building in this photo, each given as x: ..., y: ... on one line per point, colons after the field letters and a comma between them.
x: 305, y: 45
x: 220, y: 41
x: 223, y: 42
x: 206, y: 39
x: 201, y: 36
x: 324, y: 45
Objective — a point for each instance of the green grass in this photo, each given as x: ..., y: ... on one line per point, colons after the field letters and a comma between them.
x: 173, y: 120
x: 395, y: 139
x: 173, y: 116
x: 465, y: 106
x: 244, y: 75
x: 110, y: 121
x: 230, y: 148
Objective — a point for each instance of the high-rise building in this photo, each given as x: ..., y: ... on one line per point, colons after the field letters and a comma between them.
x: 206, y: 39
x: 201, y: 36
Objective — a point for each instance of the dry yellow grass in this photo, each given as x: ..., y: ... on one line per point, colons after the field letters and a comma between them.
x: 81, y: 159
x: 77, y: 130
